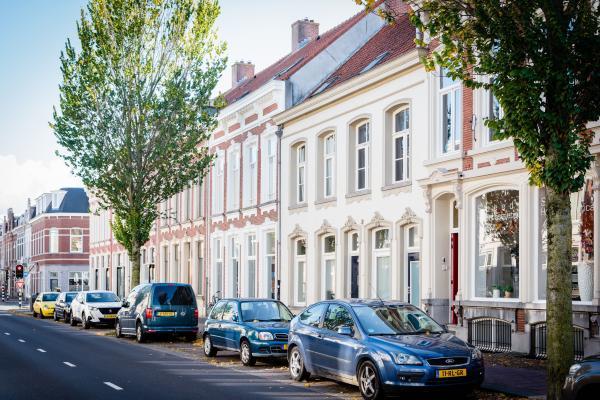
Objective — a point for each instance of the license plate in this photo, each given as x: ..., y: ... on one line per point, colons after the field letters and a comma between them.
x: 451, y: 373
x: 285, y: 346
x: 110, y: 316
x: 166, y: 313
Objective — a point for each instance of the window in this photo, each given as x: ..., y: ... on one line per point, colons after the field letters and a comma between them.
x: 218, y: 257
x: 337, y: 317
x: 494, y: 112
x: 270, y: 272
x: 497, y: 244
x: 382, y: 271
x: 186, y: 210
x: 233, y: 181
x: 271, y: 160
x: 313, y: 315
x: 165, y: 257
x: 329, y: 267
x: 301, y: 169
x: 234, y: 263
x: 450, y: 106
x: 163, y: 214
x: 362, y: 157
x: 76, y: 240
x: 200, y: 263
x: 401, y: 145
x: 250, y: 175
x: 107, y: 279
x: 78, y: 281
x: 175, y: 214
x: 300, y: 272
x: 53, y: 280
x: 251, y: 260
x: 54, y: 240
x: 175, y: 269
x: 218, y: 184
x: 198, y: 205
x: 329, y: 166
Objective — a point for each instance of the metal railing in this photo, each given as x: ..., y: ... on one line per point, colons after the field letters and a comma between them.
x: 539, y: 341
x: 490, y: 334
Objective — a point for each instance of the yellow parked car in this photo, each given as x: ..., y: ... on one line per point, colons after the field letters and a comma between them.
x: 44, y: 304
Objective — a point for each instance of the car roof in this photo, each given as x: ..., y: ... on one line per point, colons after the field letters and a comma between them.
x: 367, y: 302
x: 248, y: 299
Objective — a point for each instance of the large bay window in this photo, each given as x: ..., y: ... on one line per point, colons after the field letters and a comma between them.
x: 450, y: 116
x: 250, y: 175
x: 300, y: 271
x: 233, y: 180
x: 497, y: 244
x: 382, y: 257
x: 401, y: 145
x: 328, y: 267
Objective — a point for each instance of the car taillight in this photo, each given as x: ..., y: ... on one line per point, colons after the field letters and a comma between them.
x: 148, y: 313
x: 196, y: 313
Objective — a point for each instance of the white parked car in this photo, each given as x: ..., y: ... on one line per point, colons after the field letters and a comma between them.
x: 96, y: 307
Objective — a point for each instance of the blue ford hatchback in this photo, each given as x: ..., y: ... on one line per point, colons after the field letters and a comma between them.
x: 381, y: 347
x: 253, y: 327
x: 154, y: 308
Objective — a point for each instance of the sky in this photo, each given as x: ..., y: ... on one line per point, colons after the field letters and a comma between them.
x: 32, y: 34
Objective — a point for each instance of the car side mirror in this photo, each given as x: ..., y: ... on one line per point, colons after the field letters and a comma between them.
x: 445, y: 327
x: 345, y: 330
x: 235, y: 318
x: 125, y: 303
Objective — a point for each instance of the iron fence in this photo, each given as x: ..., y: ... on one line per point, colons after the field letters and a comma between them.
x: 539, y: 341
x: 490, y: 334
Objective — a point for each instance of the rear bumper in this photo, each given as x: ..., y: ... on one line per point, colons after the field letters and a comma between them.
x: 170, y: 329
x: 47, y: 312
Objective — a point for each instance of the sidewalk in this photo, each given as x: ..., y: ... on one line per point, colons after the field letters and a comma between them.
x: 524, y: 382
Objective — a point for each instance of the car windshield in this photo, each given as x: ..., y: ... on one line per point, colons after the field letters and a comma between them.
x: 395, y: 320
x: 50, y: 297
x: 101, y: 297
x: 172, y: 295
x: 265, y: 311
x: 69, y: 297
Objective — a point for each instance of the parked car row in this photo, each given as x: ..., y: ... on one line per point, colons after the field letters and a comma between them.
x: 381, y: 346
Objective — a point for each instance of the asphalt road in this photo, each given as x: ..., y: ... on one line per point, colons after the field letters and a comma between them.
x: 42, y: 359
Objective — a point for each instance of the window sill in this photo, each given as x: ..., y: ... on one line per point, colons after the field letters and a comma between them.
x: 364, y: 192
x: 486, y: 148
x: 441, y: 159
x: 326, y: 201
x: 298, y: 206
x: 397, y: 185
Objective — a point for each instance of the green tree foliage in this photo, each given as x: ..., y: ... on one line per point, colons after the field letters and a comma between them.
x: 135, y: 106
x: 540, y: 59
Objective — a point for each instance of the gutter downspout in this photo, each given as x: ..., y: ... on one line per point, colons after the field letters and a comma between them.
x: 279, y: 134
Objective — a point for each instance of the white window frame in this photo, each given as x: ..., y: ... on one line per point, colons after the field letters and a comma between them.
x: 329, y: 156
x: 233, y: 180
x: 365, y: 146
x: 53, y: 241
x: 267, y: 267
x: 299, y: 258
x: 74, y: 236
x: 301, y: 174
x: 218, y: 184
x: 218, y: 265
x: 404, y: 158
x: 489, y: 105
x: 328, y: 256
x: 251, y: 258
x: 251, y: 174
x: 453, y: 91
x: 271, y: 168
x: 383, y: 252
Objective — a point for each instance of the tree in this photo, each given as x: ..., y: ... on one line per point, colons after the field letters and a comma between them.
x: 541, y: 58
x: 135, y: 106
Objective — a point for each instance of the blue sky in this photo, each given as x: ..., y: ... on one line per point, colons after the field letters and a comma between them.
x: 32, y: 34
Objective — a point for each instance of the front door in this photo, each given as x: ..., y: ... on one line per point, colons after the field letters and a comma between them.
x: 454, y: 275
x: 337, y: 352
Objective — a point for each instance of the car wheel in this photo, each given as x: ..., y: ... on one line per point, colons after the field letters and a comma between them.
x: 140, y: 336
x: 118, y: 329
x: 66, y: 317
x: 72, y: 320
x: 84, y: 322
x: 41, y: 314
x: 297, y: 370
x: 55, y: 316
x: 368, y: 381
x: 34, y: 314
x: 209, y: 350
x: 246, y: 354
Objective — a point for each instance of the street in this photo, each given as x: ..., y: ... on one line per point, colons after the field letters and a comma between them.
x: 45, y: 359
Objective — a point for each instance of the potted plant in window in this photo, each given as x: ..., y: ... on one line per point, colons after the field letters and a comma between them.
x: 585, y: 267
x: 508, y: 291
x: 496, y: 291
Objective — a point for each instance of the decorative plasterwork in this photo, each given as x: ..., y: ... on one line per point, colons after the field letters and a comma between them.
x: 350, y: 225
x: 297, y: 233
x: 409, y: 217
x: 458, y: 194
x: 427, y: 198
x: 377, y: 221
x: 325, y: 228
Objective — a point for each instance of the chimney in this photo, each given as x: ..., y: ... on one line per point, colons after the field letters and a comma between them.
x: 241, y: 71
x: 303, y: 31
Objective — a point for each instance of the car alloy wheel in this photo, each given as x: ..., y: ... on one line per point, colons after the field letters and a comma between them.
x: 118, y: 329
x: 72, y: 320
x: 209, y: 350
x: 246, y: 354
x: 66, y: 317
x: 368, y: 381
x: 297, y: 370
x: 139, y: 333
x: 85, y: 322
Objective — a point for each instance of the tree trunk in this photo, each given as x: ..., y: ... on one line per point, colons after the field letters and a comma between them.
x: 559, y: 317
x: 134, y: 257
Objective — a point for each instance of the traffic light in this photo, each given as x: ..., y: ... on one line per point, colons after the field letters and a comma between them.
x: 19, y: 271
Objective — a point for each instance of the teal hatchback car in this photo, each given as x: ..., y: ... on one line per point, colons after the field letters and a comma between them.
x: 256, y: 328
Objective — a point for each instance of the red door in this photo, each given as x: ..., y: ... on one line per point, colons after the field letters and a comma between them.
x: 454, y: 273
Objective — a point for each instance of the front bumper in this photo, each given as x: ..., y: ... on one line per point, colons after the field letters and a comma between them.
x: 97, y: 318
x: 271, y: 348
x: 422, y: 376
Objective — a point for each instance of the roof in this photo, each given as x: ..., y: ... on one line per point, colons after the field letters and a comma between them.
x: 368, y: 302
x: 285, y: 67
x: 391, y: 42
x: 74, y: 201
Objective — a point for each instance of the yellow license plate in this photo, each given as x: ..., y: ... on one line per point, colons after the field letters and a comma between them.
x: 451, y: 373
x: 166, y: 313
x: 285, y: 346
x: 110, y: 316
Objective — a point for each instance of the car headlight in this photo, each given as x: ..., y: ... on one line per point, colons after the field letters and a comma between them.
x: 574, y: 368
x: 265, y: 335
x: 405, y: 359
x: 476, y: 354
x: 93, y: 309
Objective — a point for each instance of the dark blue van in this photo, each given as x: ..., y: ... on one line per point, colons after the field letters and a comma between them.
x: 253, y: 327
x: 154, y: 308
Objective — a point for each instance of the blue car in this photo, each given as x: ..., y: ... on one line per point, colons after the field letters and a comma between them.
x: 155, y: 308
x: 382, y: 347
x: 256, y: 328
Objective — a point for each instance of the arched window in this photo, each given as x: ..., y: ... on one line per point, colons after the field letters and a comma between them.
x: 401, y: 145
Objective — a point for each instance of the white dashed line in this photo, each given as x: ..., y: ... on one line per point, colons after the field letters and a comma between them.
x: 7, y: 334
x: 41, y: 350
x: 21, y: 340
x: 112, y: 385
x: 68, y: 364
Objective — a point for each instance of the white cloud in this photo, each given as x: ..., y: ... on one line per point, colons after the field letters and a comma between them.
x: 22, y: 179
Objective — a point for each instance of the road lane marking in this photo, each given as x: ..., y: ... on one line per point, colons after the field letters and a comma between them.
x: 41, y: 350
x: 68, y: 364
x: 21, y: 340
x: 7, y: 334
x: 112, y: 385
